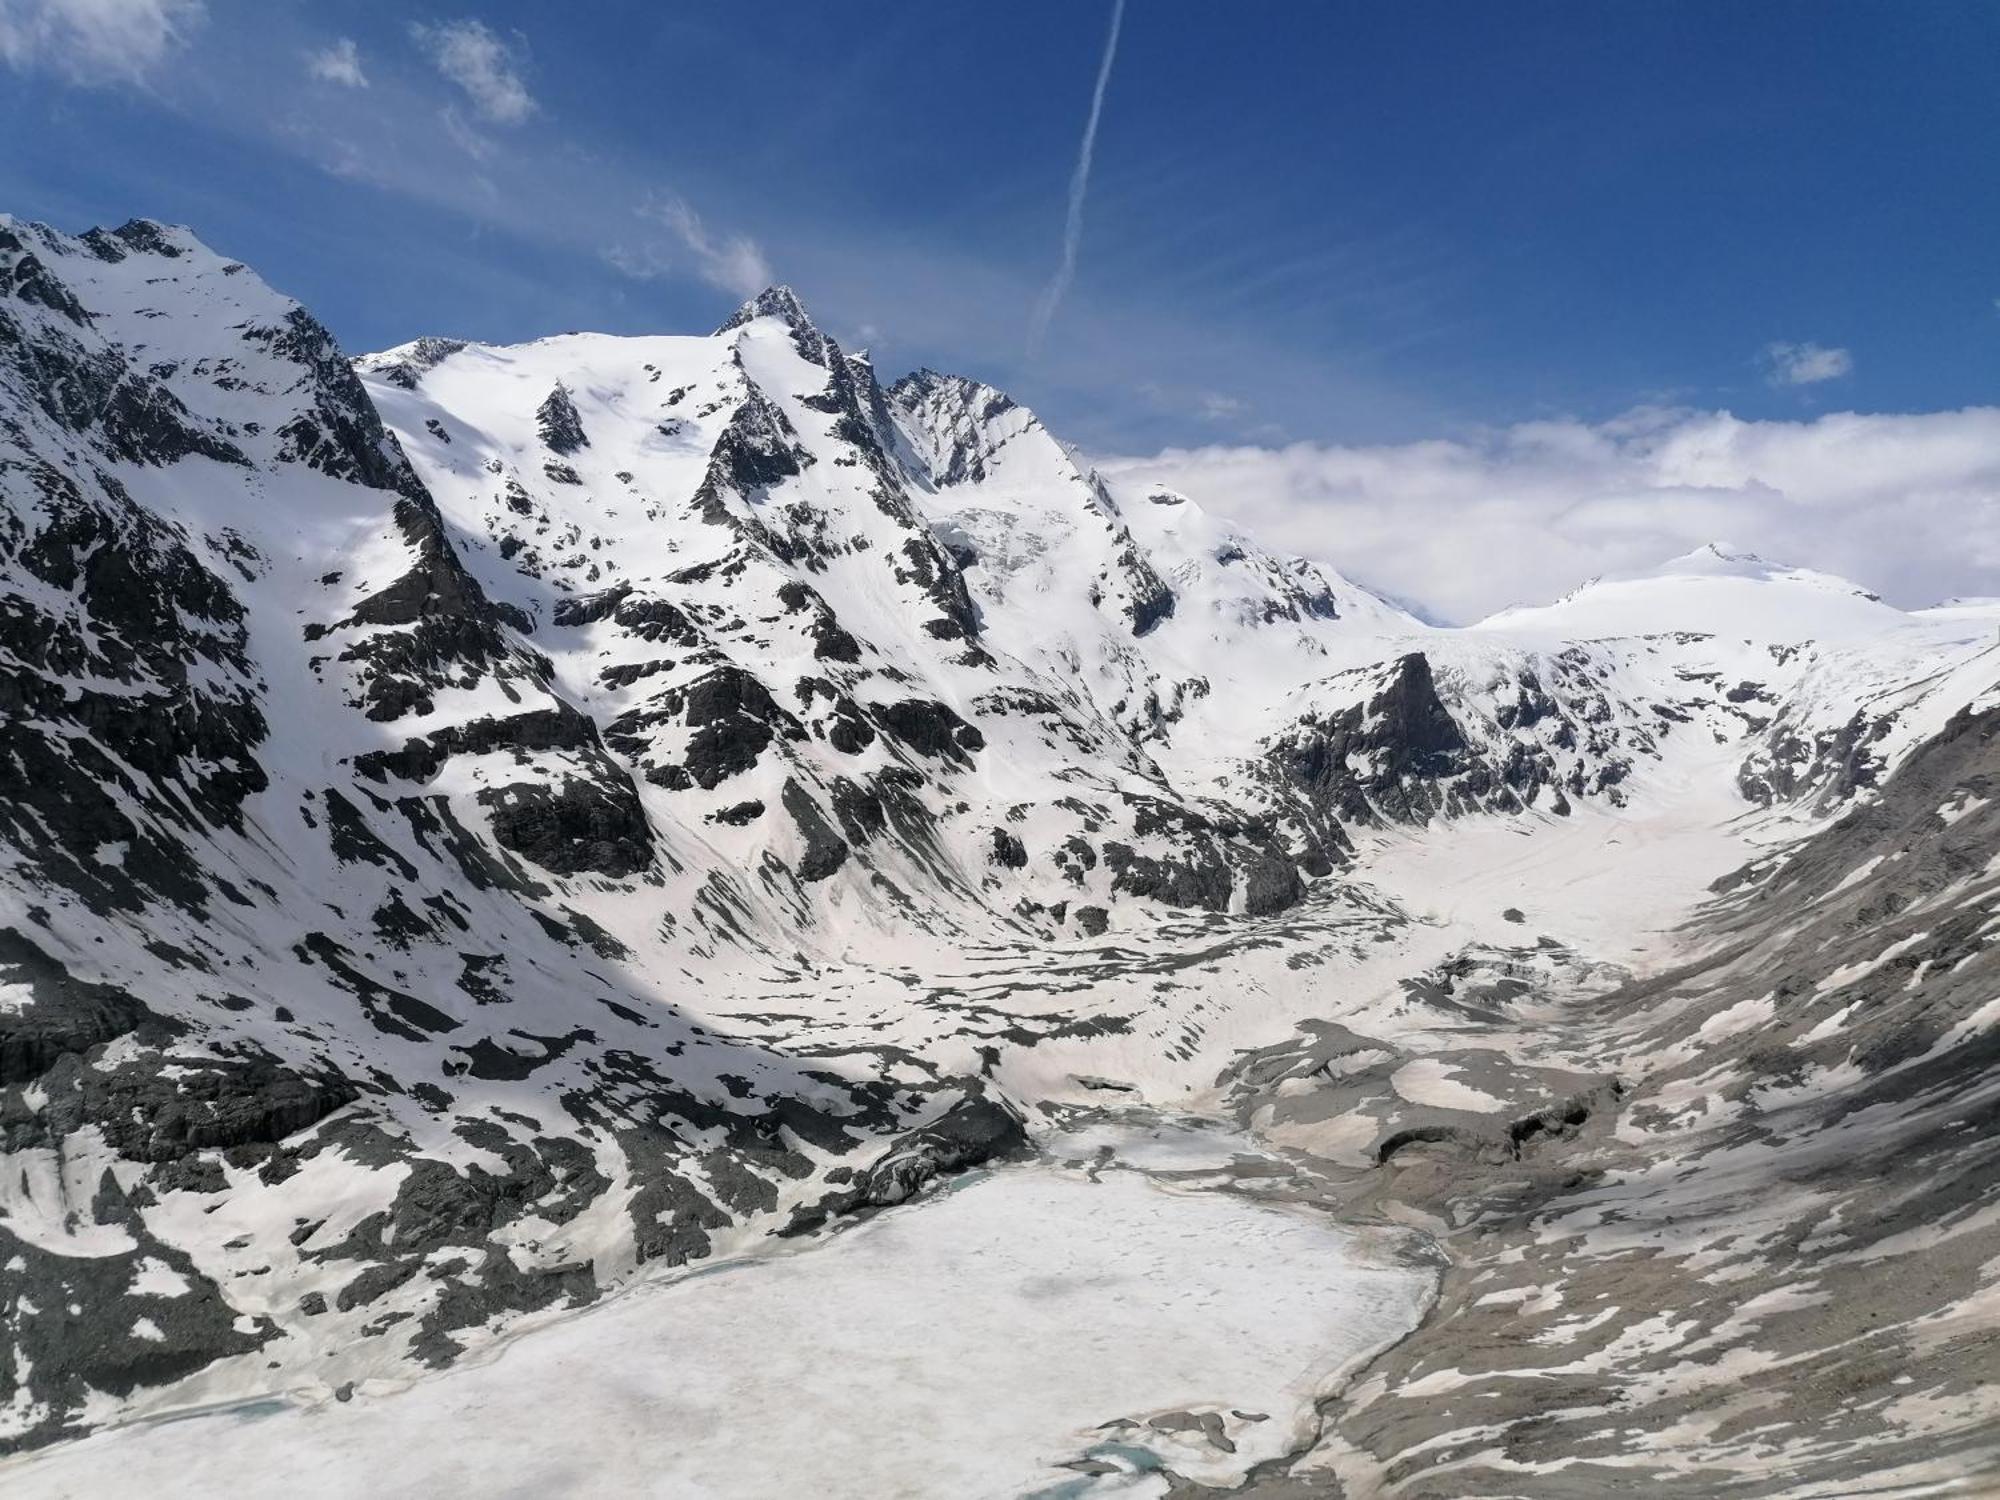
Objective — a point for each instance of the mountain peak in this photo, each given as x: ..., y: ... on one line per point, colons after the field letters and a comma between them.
x: 778, y: 301
x: 1721, y: 560
x: 134, y: 236
x: 928, y: 385
x: 1721, y: 557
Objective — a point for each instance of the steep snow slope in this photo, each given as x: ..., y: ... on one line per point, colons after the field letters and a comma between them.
x: 277, y: 1021
x: 485, y: 819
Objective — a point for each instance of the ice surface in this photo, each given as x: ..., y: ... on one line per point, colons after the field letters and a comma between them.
x: 966, y: 1346
x: 1158, y: 1146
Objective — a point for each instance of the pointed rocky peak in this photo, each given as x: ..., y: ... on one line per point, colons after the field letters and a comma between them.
x: 782, y: 303
x: 143, y: 237
x: 773, y: 302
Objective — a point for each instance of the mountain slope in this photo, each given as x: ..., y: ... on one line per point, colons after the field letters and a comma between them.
x: 486, y: 819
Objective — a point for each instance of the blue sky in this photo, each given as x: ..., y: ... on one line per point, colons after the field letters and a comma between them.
x: 1473, y: 300
x: 1315, y: 221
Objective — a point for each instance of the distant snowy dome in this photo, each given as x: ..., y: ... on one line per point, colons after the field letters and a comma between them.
x: 1713, y: 559
x: 1971, y: 604
x: 1715, y: 589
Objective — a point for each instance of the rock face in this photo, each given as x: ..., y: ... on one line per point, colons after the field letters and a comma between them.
x: 490, y: 812
x: 557, y: 421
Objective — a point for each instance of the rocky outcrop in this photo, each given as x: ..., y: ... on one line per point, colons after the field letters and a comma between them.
x: 559, y: 424
x: 973, y: 1132
x: 61, y: 1017
x: 577, y: 826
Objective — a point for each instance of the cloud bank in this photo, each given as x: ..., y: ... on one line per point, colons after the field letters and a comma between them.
x: 1907, y: 505
x: 95, y: 41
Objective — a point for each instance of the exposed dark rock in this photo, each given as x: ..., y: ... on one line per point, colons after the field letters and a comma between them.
x: 557, y: 421
x: 1383, y: 759
x: 557, y: 727
x: 1199, y: 878
x: 579, y: 825
x: 1272, y: 883
x: 825, y: 850
x: 83, y: 1339
x: 1008, y: 851
x: 161, y: 1107
x: 63, y: 1016
x: 734, y: 719
x: 930, y: 728
x: 974, y: 1131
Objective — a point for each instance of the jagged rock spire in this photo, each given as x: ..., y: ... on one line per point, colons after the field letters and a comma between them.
x: 557, y: 420
x: 783, y: 303
x: 773, y: 302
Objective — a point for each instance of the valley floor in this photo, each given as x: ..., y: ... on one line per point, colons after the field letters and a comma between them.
x: 1480, y: 1173
x: 1157, y: 1300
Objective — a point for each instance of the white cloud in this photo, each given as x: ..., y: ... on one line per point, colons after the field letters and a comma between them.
x: 481, y: 64
x: 1217, y: 407
x: 340, y: 63
x: 1805, y: 364
x: 462, y: 135
x: 95, y: 41
x: 732, y: 262
x: 1908, y: 505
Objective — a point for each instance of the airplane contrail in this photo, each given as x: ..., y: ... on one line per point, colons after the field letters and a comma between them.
x: 1079, y: 184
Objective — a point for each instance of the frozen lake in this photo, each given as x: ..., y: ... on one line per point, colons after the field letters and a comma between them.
x: 1033, y: 1331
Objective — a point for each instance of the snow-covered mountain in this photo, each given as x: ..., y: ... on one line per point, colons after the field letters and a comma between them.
x: 481, y: 819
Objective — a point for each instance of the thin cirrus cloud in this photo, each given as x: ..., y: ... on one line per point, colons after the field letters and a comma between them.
x: 1907, y: 505
x: 485, y: 68
x: 96, y: 41
x: 1805, y: 364
x: 338, y: 64
x: 733, y: 262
